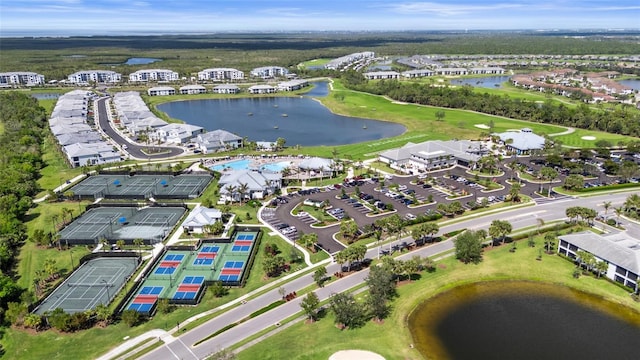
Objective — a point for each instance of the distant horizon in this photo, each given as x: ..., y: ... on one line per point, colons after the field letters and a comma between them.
x: 124, y: 17
x: 63, y: 33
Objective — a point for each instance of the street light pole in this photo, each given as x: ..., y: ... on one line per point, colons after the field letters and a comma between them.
x: 106, y: 285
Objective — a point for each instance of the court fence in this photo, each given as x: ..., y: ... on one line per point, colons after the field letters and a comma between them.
x: 83, y: 260
x: 149, y: 269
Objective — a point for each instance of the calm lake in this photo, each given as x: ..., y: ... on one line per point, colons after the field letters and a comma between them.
x: 299, y: 120
x: 491, y: 82
x: 523, y: 320
x: 141, y: 61
x: 632, y: 83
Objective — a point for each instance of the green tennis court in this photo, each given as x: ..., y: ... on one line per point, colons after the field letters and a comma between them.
x: 97, y: 281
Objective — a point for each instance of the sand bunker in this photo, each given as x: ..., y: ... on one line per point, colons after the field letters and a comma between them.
x: 355, y: 354
x: 588, y: 137
x: 481, y: 126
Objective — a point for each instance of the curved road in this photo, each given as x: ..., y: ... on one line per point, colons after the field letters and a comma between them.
x: 133, y: 149
x: 183, y: 346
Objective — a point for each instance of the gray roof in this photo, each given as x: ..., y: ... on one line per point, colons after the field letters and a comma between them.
x: 316, y: 163
x: 217, y: 137
x: 618, y: 249
x: 460, y: 149
x: 255, y: 180
x: 226, y: 86
x: 201, y: 216
x: 80, y: 137
x: 523, y: 140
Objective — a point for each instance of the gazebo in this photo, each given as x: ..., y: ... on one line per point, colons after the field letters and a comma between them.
x: 324, y: 167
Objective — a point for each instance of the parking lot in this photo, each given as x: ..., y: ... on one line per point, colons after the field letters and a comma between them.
x: 408, y: 196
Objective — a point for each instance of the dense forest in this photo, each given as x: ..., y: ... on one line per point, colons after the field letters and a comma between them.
x: 22, y: 131
x: 623, y: 120
x: 56, y: 58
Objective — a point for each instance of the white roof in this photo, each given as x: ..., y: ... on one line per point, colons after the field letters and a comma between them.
x: 201, y: 216
x: 316, y: 163
x: 618, y: 249
x: 523, y: 140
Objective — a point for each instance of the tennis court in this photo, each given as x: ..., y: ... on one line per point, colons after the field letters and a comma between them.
x: 184, y: 186
x: 184, y: 274
x: 152, y: 224
x: 97, y: 281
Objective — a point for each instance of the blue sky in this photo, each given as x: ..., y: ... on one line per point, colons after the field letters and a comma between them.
x: 131, y: 16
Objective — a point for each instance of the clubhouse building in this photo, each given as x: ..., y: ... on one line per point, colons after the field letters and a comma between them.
x: 523, y: 141
x: 433, y: 155
x: 619, y: 251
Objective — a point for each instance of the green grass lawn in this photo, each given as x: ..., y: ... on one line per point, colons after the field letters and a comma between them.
x: 392, y: 338
x: 575, y: 139
x: 55, y: 170
x: 314, y: 62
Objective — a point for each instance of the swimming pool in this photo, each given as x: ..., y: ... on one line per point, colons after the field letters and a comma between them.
x: 246, y: 164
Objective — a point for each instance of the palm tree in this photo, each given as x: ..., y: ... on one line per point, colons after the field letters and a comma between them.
x: 618, y: 212
x: 138, y: 242
x: 243, y: 190
x: 606, y: 205
x: 540, y: 224
x: 231, y: 191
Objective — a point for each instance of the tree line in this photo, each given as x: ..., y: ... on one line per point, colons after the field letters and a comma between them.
x: 22, y: 132
x: 624, y: 120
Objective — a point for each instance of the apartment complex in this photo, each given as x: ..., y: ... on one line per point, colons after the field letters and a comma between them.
x: 267, y: 72
x: 153, y: 75
x: 94, y: 76
x: 220, y: 74
x: 21, y: 78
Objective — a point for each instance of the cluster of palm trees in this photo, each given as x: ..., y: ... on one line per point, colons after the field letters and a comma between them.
x: 352, y: 254
x: 580, y: 213
x: 590, y: 263
x: 241, y: 191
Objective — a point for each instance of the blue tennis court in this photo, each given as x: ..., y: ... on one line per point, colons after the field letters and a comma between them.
x: 210, y: 249
x: 189, y: 288
x: 151, y: 290
x: 234, y: 264
x: 229, y: 277
x: 246, y: 237
x: 165, y: 270
x: 240, y: 248
x: 174, y: 257
x: 143, y: 308
x: 203, y: 262
x: 193, y: 280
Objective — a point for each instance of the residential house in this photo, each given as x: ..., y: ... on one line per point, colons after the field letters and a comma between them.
x: 161, y: 91
x: 199, y: 218
x: 262, y: 89
x: 217, y: 140
x: 378, y: 75
x: 176, y: 133
x: 226, y: 89
x: 193, y: 89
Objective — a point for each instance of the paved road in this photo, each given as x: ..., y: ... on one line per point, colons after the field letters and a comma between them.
x: 133, y: 149
x: 183, y: 347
